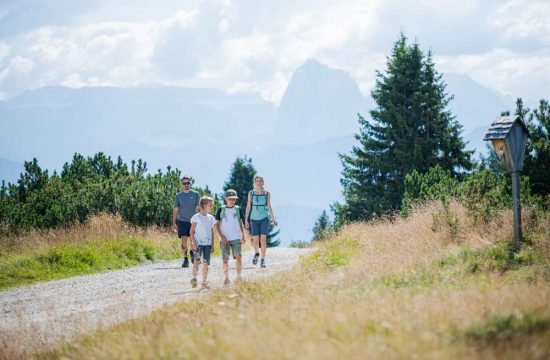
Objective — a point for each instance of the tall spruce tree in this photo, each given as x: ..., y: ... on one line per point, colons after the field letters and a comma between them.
x: 536, y: 164
x: 411, y: 129
x: 241, y: 179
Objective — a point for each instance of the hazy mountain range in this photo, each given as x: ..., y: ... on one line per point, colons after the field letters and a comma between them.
x: 201, y: 131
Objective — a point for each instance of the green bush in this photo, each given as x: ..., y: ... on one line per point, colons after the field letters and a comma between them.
x: 88, y: 186
x: 64, y: 260
x: 507, y: 327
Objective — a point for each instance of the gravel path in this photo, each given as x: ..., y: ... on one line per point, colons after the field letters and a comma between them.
x: 40, y: 316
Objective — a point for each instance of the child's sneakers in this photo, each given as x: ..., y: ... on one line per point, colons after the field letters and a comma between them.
x: 185, y: 263
x: 193, y: 283
x: 255, y: 259
x: 226, y: 281
x: 262, y: 263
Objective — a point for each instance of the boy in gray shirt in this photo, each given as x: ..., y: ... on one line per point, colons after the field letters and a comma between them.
x: 186, y: 204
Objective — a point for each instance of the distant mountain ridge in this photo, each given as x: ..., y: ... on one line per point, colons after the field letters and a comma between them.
x: 319, y: 103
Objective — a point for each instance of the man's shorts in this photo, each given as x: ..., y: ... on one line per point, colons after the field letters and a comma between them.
x: 234, y: 245
x: 204, y: 252
x: 184, y: 228
x: 259, y: 227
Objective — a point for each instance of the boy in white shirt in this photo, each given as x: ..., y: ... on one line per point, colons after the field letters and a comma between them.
x: 202, y: 238
x: 231, y: 229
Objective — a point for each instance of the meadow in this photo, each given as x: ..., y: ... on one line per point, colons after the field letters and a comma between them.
x: 104, y: 242
x: 415, y: 287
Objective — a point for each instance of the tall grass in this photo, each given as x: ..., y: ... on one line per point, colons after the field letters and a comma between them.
x: 399, y: 288
x: 102, y: 243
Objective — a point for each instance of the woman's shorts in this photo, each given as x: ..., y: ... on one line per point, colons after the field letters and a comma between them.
x: 259, y: 227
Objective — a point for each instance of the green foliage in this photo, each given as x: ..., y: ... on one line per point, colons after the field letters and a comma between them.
x: 435, y: 184
x: 537, y: 155
x: 507, y: 327
x: 299, y: 244
x: 483, y: 192
x: 86, y: 186
x: 65, y: 260
x: 322, y: 227
x: 411, y: 129
x: 498, y: 258
x: 335, y: 253
x: 241, y: 179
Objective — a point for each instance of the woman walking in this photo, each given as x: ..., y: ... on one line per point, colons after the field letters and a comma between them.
x: 258, y: 210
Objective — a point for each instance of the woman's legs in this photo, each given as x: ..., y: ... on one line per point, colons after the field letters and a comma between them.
x: 256, y: 243
x: 263, y: 239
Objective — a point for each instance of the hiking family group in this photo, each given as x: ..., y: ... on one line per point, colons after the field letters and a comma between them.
x: 193, y: 222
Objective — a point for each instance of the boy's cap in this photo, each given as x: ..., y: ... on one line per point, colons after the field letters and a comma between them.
x: 231, y: 194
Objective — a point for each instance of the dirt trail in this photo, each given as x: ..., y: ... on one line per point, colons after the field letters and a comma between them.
x: 40, y: 316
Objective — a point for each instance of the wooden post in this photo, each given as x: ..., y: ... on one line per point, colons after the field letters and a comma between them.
x: 516, y: 208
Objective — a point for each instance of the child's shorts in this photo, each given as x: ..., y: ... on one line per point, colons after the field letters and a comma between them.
x: 259, y: 227
x: 204, y: 252
x: 234, y: 245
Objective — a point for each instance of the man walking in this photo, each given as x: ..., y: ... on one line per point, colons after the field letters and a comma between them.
x: 186, y: 204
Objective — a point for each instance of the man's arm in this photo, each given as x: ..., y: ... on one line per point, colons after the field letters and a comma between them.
x: 197, y: 203
x: 174, y: 217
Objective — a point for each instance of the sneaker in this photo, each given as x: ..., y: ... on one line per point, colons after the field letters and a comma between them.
x: 193, y: 282
x: 226, y: 281
x: 185, y: 263
x: 192, y: 256
x: 262, y: 263
x: 255, y: 259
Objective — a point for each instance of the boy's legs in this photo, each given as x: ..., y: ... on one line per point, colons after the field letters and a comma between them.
x: 225, y: 257
x: 239, y: 266
x: 236, y: 250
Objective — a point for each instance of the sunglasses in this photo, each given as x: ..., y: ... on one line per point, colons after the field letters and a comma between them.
x: 186, y: 183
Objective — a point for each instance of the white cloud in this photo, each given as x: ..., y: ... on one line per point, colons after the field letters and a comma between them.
x: 523, y: 19
x: 513, y: 74
x: 4, y: 51
x: 256, y: 46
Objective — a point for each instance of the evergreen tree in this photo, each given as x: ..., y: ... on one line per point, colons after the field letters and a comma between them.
x: 241, y: 179
x: 536, y: 164
x: 321, y: 227
x: 411, y: 129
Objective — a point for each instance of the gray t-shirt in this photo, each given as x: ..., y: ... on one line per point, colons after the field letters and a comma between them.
x: 186, y: 204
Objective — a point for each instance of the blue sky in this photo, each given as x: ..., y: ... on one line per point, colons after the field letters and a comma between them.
x: 255, y: 45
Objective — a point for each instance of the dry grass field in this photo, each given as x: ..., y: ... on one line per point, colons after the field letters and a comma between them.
x: 421, y: 287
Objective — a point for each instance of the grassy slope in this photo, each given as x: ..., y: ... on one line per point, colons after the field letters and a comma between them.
x: 379, y: 290
x: 103, y: 243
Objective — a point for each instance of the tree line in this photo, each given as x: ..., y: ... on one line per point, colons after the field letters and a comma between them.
x: 96, y: 184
